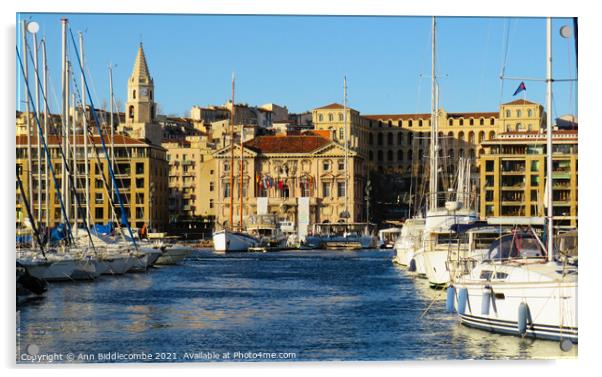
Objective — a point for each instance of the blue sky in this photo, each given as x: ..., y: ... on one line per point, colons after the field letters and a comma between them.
x: 300, y: 61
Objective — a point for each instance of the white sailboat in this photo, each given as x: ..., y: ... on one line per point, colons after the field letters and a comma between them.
x: 227, y: 240
x: 522, y: 288
x: 428, y: 262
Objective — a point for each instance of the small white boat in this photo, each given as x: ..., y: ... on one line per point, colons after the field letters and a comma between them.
x: 117, y: 263
x: 51, y: 268
x: 145, y: 258
x: 266, y: 229
x: 387, y: 237
x: 342, y: 236
x: 227, y: 241
x: 518, y: 291
x: 173, y: 254
x: 408, y: 241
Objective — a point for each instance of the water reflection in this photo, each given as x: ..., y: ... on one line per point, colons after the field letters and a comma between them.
x: 322, y: 305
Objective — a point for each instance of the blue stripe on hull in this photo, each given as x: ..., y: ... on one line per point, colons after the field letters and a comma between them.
x: 509, y: 327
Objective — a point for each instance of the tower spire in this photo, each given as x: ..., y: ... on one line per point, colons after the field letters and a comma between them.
x: 141, y: 73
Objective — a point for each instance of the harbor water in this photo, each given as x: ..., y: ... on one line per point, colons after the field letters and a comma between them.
x: 281, y: 306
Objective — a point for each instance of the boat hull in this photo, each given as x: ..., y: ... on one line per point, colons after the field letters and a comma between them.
x: 173, y: 255
x: 224, y: 241
x: 531, y: 306
x: 60, y: 270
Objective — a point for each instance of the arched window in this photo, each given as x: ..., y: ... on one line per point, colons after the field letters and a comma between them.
x: 131, y: 111
x: 420, y: 123
x: 461, y: 121
x: 321, y: 117
x: 380, y: 155
x: 370, y: 138
x: 390, y: 123
x: 519, y: 113
x: 481, y: 136
x: 451, y: 153
x: 390, y: 155
x: 471, y: 137
x: 529, y: 113
x: 399, y: 138
x: 471, y: 122
x: 399, y: 155
x: 491, y: 135
x: 482, y: 122
x: 410, y: 155
x: 530, y: 127
x: 342, y: 133
x: 134, y: 94
x: 492, y: 121
x: 370, y: 155
x: 379, y: 138
x: 451, y: 122
x: 410, y: 138
x: 390, y: 138
x: 330, y: 117
x: 472, y: 153
x: 461, y: 152
x: 410, y: 123
x: 461, y: 136
x: 341, y: 117
x: 151, y: 94
x: 153, y: 111
x: 508, y: 114
x: 399, y: 123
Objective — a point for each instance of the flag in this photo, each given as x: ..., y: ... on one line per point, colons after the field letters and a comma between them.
x: 520, y: 88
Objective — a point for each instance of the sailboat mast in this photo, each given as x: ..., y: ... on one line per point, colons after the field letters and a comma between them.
x: 67, y: 135
x: 85, y: 134
x: 241, y: 171
x: 45, y: 84
x: 75, y: 170
x: 550, y: 200
x: 112, y: 162
x: 433, y: 184
x: 64, y: 84
x: 39, y: 150
x: 346, y: 146
x: 27, y: 114
x: 232, y: 158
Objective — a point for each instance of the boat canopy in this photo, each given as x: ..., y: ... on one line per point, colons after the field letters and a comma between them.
x: 516, y: 246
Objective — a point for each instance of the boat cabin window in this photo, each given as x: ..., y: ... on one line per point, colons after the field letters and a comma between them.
x: 484, y: 240
x: 516, y: 246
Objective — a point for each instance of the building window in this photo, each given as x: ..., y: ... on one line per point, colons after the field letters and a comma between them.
x: 210, y: 203
x: 98, y: 198
x: 380, y: 156
x: 131, y: 111
x: 139, y: 167
x: 379, y: 139
x: 226, y: 190
x: 399, y: 155
x: 139, y: 212
x: 326, y: 165
x: 492, y: 121
x: 341, y: 165
x: 226, y: 167
x: 134, y: 94
x: 410, y: 123
x: 461, y: 122
x: 330, y: 117
x: 342, y: 133
x: 341, y: 189
x: 320, y: 118
x: 481, y: 122
x: 325, y: 189
x: 341, y: 118
x: 451, y: 122
x: 471, y: 122
x: 139, y: 182
x: 399, y: 123
x: 508, y: 114
x: 211, y: 186
x: 139, y: 198
x: 420, y: 123
x: 98, y: 213
x: 390, y: 138
x: 370, y: 155
x: 390, y: 155
x: 519, y: 113
x: 370, y: 139
x: 529, y: 113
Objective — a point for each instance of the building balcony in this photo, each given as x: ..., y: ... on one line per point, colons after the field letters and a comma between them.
x: 561, y: 175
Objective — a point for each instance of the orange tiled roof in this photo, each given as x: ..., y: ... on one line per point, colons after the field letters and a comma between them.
x: 386, y: 117
x: 521, y: 102
x: 286, y: 144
